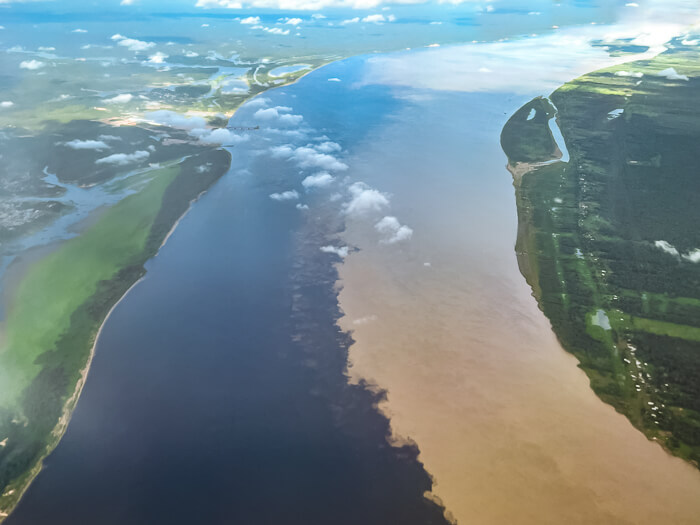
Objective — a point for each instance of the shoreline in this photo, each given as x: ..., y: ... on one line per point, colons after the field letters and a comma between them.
x: 19, y: 488
x: 69, y: 406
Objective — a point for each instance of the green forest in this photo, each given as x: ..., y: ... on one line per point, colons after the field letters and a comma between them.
x: 609, y: 240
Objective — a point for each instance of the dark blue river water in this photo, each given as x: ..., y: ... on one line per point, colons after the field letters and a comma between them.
x: 217, y: 393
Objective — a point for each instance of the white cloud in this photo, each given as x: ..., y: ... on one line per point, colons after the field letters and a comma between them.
x: 47, y: 48
x: 392, y: 230
x: 633, y: 74
x: 258, y: 102
x: 6, y: 104
x: 268, y: 113
x: 327, y: 147
x: 294, y: 21
x: 276, y: 30
x: 671, y: 74
x: 341, y: 251
x: 318, y: 180
x: 109, y: 137
x: 121, y: 159
x: 693, y: 256
x: 175, y: 120
x: 279, y: 113
x: 120, y: 99
x: 31, y: 64
x: 307, y: 157
x: 334, y: 79
x: 365, y: 320
x: 289, y: 195
x: 351, y: 21
x: 378, y: 19
x: 127, y: 2
x: 131, y: 43
x: 318, y: 16
x: 300, y: 206
x: 251, y: 20
x: 79, y: 31
x: 308, y: 5
x: 667, y: 247
x: 218, y: 136
x: 230, y: 4
x: 87, y: 144
x: 157, y: 58
x: 365, y: 199
x: 631, y: 4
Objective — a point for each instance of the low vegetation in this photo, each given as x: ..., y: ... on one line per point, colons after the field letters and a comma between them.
x: 62, y: 300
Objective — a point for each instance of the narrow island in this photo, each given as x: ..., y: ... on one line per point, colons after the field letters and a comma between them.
x: 608, y: 240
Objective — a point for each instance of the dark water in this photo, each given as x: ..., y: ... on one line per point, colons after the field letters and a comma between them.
x: 217, y: 393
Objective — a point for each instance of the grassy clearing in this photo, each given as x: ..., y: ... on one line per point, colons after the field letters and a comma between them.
x: 54, y: 288
x: 64, y: 298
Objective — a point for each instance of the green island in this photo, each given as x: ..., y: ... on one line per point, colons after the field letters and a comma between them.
x: 608, y: 240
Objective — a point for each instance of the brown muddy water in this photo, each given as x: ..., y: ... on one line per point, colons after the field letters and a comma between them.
x: 505, y: 421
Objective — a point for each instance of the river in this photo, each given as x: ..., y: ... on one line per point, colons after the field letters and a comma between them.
x: 219, y: 394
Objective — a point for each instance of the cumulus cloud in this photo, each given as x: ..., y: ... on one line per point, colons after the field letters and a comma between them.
x: 87, y: 144
x: 122, y: 159
x: 251, y: 20
x: 300, y: 206
x: 633, y: 74
x: 351, y: 21
x: 79, y: 31
x: 667, y: 247
x: 230, y: 4
x: 671, y: 74
x: 157, y: 58
x: 280, y: 114
x: 218, y: 136
x: 275, y: 30
x: 327, y: 147
x: 289, y: 195
x: 334, y: 79
x: 31, y: 64
x: 131, y: 43
x: 127, y: 2
x: 341, y: 251
x: 6, y: 104
x: 175, y: 120
x: 308, y: 157
x: 392, y: 230
x: 365, y: 320
x: 321, y: 179
x: 378, y: 19
x: 692, y: 256
x: 365, y: 200
x: 294, y: 21
x: 120, y: 99
x: 270, y: 113
x: 258, y: 102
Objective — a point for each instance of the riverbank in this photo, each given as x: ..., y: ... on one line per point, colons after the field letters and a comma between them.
x: 64, y: 314
x: 604, y: 240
